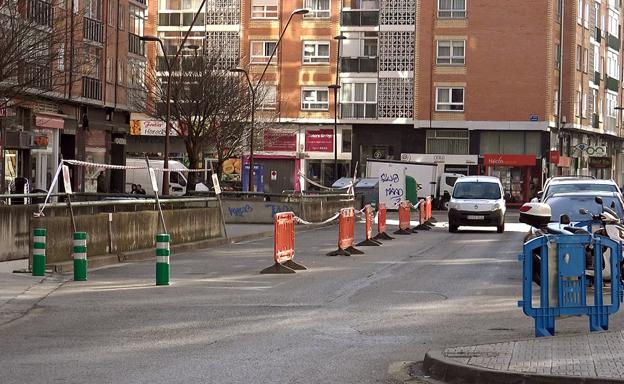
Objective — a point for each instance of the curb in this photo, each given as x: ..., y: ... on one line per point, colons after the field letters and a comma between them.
x: 149, y: 254
x: 452, y: 372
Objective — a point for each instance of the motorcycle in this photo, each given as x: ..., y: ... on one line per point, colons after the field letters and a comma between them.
x: 607, y: 223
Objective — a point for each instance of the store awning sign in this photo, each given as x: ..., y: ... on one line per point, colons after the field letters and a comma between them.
x: 494, y: 160
x: 151, y: 128
x: 592, y: 150
x: 276, y: 140
x: 600, y: 162
x: 321, y: 140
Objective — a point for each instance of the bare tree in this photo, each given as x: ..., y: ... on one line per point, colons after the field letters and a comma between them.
x: 211, y: 105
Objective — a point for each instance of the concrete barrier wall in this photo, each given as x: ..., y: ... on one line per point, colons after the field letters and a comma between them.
x: 15, y: 231
x: 129, y: 231
x: 261, y: 212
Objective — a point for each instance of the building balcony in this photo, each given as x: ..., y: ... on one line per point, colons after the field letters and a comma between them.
x: 358, y: 64
x: 612, y: 84
x: 596, y: 78
x: 359, y: 18
x: 135, y: 45
x: 358, y: 111
x: 40, y: 12
x: 93, y: 30
x: 613, y: 42
x: 34, y: 75
x: 91, y: 88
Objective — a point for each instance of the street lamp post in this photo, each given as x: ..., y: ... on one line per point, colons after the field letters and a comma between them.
x: 336, y: 88
x: 165, y: 186
x: 253, y: 90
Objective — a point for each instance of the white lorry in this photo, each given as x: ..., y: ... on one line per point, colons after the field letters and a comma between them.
x: 401, y: 180
x: 177, y: 179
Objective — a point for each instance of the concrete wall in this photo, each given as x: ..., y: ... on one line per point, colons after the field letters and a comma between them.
x: 15, y: 231
x: 128, y: 231
x: 261, y: 212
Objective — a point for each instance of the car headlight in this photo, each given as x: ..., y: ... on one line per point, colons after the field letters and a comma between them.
x: 496, y: 207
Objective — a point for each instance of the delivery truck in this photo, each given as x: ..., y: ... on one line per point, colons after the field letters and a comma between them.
x: 177, y: 179
x: 402, y: 180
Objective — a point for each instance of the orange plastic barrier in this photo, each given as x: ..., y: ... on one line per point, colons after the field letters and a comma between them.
x: 283, y: 244
x: 346, y: 233
x: 368, y: 211
x: 423, y: 207
x: 404, y: 218
x: 429, y: 208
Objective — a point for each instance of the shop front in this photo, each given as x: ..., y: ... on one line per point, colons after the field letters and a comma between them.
x: 45, y: 150
x: 519, y: 174
x: 320, y: 164
x: 461, y: 164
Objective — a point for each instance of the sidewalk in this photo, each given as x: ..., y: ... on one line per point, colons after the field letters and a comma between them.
x: 591, y: 358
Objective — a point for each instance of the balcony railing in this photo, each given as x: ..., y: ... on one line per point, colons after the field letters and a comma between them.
x: 93, y: 30
x: 613, y: 42
x: 135, y: 45
x: 612, y: 84
x: 35, y: 76
x: 40, y: 12
x: 142, y: 2
x: 91, y: 88
x: 358, y: 111
x: 357, y: 17
x: 358, y: 64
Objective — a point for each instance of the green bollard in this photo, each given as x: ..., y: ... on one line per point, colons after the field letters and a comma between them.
x: 162, y: 259
x: 80, y: 256
x: 39, y: 252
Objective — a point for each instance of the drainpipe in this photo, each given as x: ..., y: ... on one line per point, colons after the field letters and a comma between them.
x: 560, y: 85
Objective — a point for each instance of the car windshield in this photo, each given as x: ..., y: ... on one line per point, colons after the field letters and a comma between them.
x: 580, y: 187
x: 571, y: 205
x: 476, y: 190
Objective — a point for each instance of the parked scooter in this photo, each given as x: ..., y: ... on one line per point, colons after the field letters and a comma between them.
x: 607, y: 223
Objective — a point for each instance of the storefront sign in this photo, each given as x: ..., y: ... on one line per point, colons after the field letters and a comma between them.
x: 275, y: 140
x: 40, y: 140
x: 66, y: 180
x: 600, y: 162
x: 152, y: 128
x: 509, y: 160
x: 320, y: 140
x: 43, y: 121
x: 440, y: 158
x: 554, y: 157
x: 593, y: 151
x: 564, y: 162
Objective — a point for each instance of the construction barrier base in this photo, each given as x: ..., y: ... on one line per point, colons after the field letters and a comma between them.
x: 403, y: 232
x: 288, y: 266
x: 354, y: 251
x: 383, y: 236
x: 368, y: 243
x: 339, y: 252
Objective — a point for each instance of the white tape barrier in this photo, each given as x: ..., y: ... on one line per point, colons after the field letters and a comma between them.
x: 320, y: 185
x: 126, y: 167
x: 301, y: 221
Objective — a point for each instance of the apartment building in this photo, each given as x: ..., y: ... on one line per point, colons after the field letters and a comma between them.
x: 78, y: 106
x: 217, y: 30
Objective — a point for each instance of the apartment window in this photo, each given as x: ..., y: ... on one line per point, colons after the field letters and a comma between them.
x: 346, y: 140
x: 586, y: 18
x: 136, y: 20
x: 557, y: 56
x: 122, y: 17
x: 110, y: 73
x: 611, y: 104
x: 597, y: 60
x: 584, y: 105
x: 93, y: 9
x: 454, y: 9
x: 121, y: 72
x: 577, y: 104
x: 451, y: 52
x: 318, y: 8
x: 594, y: 101
x: 268, y: 96
x: 614, y: 26
x: 585, y: 60
x: 579, y: 57
x: 314, y: 99
x: 449, y: 141
x: 579, y: 9
x: 358, y: 100
x: 61, y: 57
x: 261, y: 51
x: 360, y: 44
x: 316, y: 52
x: 559, y: 9
x: 612, y: 65
x: 264, y: 9
x: 450, y: 99
x: 111, y: 13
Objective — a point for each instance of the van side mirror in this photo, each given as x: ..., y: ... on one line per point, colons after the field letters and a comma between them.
x: 540, y: 194
x: 598, y: 200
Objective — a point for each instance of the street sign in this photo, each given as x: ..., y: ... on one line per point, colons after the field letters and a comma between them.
x: 273, y: 175
x: 534, y: 118
x: 153, y: 179
x: 67, y: 180
x: 215, y: 184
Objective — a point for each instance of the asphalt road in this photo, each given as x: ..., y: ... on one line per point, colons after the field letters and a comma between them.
x: 345, y: 320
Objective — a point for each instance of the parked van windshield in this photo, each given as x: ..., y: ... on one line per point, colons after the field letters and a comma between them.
x: 477, y: 190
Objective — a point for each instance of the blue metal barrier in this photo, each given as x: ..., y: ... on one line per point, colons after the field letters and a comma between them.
x: 571, y: 282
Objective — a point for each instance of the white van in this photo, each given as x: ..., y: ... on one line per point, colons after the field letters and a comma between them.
x: 177, y: 180
x: 477, y: 201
